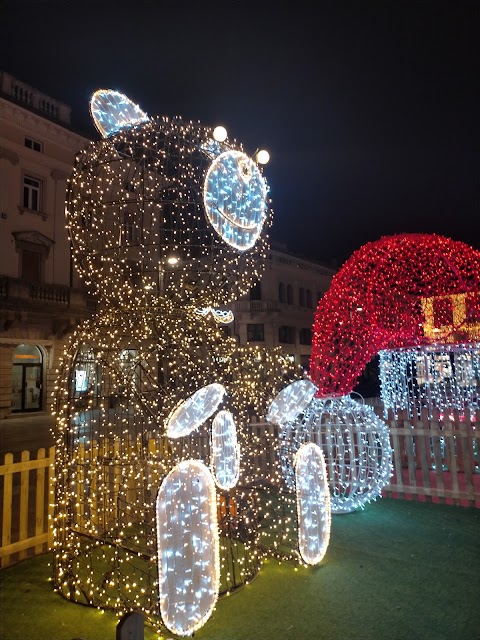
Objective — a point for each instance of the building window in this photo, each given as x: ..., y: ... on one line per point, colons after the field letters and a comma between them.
x: 281, y: 293
x: 255, y: 333
x: 305, y: 336
x: 305, y: 363
x: 27, y: 377
x: 301, y: 297
x: 256, y: 292
x: 289, y: 294
x: 226, y: 330
x: 309, y: 299
x: 31, y: 265
x: 286, y: 335
x: 32, y: 193
x: 33, y: 144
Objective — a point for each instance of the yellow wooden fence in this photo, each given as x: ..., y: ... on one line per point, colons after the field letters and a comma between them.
x: 26, y: 505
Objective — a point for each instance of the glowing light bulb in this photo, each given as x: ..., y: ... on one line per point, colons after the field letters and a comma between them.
x: 220, y: 134
x: 263, y: 156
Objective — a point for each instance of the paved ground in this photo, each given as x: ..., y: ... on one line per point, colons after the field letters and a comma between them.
x: 28, y: 431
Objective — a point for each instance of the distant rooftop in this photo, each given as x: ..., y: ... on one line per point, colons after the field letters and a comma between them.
x: 34, y: 100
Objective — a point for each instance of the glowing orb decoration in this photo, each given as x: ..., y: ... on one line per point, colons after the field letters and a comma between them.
x: 220, y: 134
x: 356, y: 446
x: 263, y: 156
x: 112, y: 111
x: 225, y: 451
x: 193, y: 412
x: 188, y: 547
x: 313, y: 503
x: 235, y: 197
x: 291, y: 401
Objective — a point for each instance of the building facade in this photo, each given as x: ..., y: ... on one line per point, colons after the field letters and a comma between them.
x: 41, y: 298
x: 279, y: 310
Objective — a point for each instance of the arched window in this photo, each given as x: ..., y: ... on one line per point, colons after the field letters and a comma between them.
x: 289, y: 294
x: 27, y: 378
x: 281, y: 292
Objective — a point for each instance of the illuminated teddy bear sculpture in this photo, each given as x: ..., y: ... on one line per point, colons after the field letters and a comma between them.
x: 167, y: 222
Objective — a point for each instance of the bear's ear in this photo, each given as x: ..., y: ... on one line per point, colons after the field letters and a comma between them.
x: 112, y: 111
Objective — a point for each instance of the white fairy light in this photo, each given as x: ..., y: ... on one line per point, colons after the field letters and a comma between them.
x: 291, y: 401
x: 356, y: 446
x: 112, y: 111
x: 428, y: 377
x: 313, y: 503
x: 188, y: 547
x: 225, y: 451
x: 235, y: 199
x: 191, y: 413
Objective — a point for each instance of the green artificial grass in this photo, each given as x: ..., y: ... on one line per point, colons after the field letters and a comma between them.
x: 398, y: 570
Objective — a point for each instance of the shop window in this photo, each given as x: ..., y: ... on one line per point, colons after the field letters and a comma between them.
x: 27, y: 378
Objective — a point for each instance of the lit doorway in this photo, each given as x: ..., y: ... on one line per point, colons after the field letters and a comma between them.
x: 27, y: 375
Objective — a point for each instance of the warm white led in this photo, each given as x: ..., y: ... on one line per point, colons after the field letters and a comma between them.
x: 313, y: 503
x: 188, y: 547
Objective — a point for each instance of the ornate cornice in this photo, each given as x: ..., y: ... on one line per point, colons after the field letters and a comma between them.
x: 36, y: 125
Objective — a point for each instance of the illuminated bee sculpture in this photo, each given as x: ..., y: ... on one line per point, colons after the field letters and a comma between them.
x: 167, y: 222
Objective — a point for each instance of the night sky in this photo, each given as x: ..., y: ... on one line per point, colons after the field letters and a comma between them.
x: 369, y: 110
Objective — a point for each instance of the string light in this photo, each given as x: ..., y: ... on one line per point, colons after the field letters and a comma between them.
x: 313, y: 503
x: 384, y: 297
x: 428, y: 377
x: 188, y: 547
x: 354, y: 442
x: 148, y: 363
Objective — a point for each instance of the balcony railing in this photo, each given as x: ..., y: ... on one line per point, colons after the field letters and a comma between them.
x: 255, y: 306
x: 16, y: 293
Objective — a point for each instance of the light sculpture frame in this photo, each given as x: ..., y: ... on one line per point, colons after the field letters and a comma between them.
x: 313, y: 503
x: 143, y: 243
x: 355, y: 444
x: 377, y: 301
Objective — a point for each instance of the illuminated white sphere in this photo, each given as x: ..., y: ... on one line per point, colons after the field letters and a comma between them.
x: 263, y: 156
x: 356, y: 446
x: 220, y: 134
